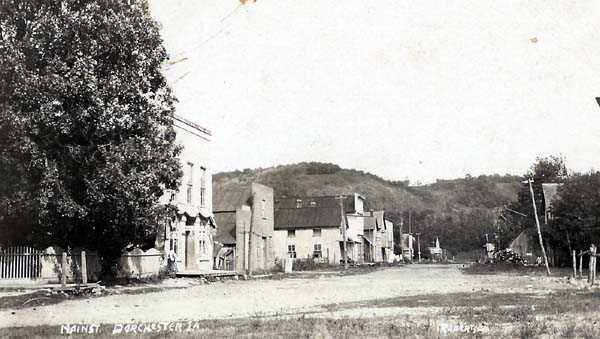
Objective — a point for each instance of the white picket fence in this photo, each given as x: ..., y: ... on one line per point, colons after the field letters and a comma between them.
x: 20, y: 262
x: 25, y: 263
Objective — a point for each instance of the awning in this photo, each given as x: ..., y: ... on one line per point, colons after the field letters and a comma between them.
x: 352, y: 239
x: 367, y: 239
x: 208, y: 217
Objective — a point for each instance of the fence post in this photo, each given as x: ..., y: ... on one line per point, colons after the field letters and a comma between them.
x: 574, y: 265
x: 63, y: 278
x: 593, y: 263
x: 580, y: 263
x: 83, y: 268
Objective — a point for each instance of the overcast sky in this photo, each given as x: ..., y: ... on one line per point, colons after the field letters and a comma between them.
x: 417, y: 89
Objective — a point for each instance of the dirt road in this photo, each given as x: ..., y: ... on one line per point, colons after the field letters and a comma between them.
x: 232, y: 299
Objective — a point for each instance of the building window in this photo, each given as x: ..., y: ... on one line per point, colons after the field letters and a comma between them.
x: 317, y: 251
x: 298, y: 203
x: 291, y: 233
x: 189, y: 183
x: 316, y: 232
x: 202, y: 235
x: 262, y: 209
x: 313, y: 204
x: 292, y: 251
x: 202, y: 186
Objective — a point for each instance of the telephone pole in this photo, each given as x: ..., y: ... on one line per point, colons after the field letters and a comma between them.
x: 537, y: 223
x: 401, y: 241
x: 250, y: 242
x: 343, y: 214
x: 419, y: 245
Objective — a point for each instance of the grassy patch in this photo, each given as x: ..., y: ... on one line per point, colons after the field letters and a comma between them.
x: 260, y: 328
x: 46, y: 297
x: 388, y: 327
x: 38, y: 298
x: 512, y: 268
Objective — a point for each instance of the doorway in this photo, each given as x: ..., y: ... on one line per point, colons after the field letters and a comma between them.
x: 188, y: 249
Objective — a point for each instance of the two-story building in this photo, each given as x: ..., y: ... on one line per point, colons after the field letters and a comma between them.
x: 245, y: 235
x: 379, y: 237
x: 189, y: 234
x: 311, y: 227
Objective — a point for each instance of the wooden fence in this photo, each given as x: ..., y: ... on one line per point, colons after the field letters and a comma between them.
x: 20, y: 262
x: 29, y: 264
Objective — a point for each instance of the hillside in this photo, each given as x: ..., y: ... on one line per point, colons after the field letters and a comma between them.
x: 458, y: 211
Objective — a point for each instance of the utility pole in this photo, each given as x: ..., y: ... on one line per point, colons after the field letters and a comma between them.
x: 343, y: 214
x: 537, y: 223
x: 419, y: 245
x: 409, y: 223
x: 401, y: 241
x: 250, y: 236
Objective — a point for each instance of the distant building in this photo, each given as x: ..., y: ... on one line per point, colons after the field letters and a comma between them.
x: 408, y: 241
x: 311, y: 227
x: 527, y: 244
x: 236, y: 210
x: 379, y: 237
x: 190, y: 234
x: 436, y: 251
x: 550, y: 191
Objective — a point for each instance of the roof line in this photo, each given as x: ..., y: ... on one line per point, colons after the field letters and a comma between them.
x: 191, y: 124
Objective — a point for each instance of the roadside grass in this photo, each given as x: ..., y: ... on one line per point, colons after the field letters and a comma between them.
x: 47, y: 297
x: 385, y: 327
x: 512, y: 268
x: 37, y: 298
x: 275, y: 328
x: 564, y: 314
x: 491, y: 307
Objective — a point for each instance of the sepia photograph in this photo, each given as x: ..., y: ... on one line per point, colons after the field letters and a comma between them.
x: 299, y: 169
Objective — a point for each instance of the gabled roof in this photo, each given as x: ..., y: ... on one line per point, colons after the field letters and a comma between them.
x: 226, y: 231
x: 228, y: 200
x: 307, y: 217
x: 550, y: 193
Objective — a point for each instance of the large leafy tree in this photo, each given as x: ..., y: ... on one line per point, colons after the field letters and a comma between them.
x: 519, y: 215
x: 577, y: 211
x: 86, y: 144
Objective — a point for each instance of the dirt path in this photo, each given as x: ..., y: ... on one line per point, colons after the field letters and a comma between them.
x: 234, y: 299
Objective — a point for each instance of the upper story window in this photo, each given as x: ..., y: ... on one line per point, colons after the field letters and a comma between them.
x: 313, y: 204
x: 202, y: 186
x: 298, y: 203
x: 190, y: 169
x: 291, y: 233
x: 316, y: 232
x: 263, y: 205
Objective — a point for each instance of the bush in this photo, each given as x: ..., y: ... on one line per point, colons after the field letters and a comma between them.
x: 308, y: 264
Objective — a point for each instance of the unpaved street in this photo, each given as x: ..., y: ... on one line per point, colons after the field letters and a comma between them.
x: 232, y: 299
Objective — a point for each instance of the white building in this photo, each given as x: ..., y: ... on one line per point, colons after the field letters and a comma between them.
x: 190, y: 234
x: 311, y: 227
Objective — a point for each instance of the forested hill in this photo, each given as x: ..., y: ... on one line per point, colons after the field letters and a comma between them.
x: 458, y: 211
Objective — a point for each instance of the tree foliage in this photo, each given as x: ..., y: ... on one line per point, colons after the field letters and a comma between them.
x: 86, y: 144
x: 577, y: 212
x: 551, y: 169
